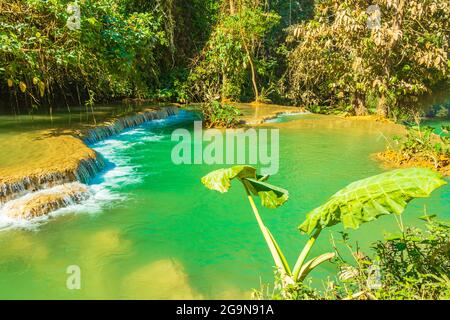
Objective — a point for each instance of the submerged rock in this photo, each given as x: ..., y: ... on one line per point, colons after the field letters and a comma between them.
x: 43, y: 202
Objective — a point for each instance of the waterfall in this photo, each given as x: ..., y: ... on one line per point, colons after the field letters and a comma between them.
x: 28, y: 193
x: 87, y: 169
x: 105, y: 131
x: 40, y: 203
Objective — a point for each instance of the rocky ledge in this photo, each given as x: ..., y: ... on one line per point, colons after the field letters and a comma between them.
x: 43, y: 202
x: 64, y: 165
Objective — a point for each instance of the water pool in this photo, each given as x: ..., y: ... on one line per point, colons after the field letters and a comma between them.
x: 151, y: 230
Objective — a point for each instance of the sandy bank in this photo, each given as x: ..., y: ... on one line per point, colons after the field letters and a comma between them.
x: 396, y: 159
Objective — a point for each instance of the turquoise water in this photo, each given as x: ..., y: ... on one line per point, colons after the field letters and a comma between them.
x: 151, y: 230
x: 438, y: 124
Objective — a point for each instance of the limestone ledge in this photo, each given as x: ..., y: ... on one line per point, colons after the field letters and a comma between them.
x: 41, y: 203
x: 68, y: 159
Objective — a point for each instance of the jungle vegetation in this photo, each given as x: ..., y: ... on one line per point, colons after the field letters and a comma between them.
x: 326, y: 55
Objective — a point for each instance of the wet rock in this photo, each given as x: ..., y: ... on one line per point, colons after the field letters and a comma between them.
x: 43, y: 202
x: 118, y: 125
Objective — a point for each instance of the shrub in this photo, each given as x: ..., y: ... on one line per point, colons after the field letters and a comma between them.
x: 217, y: 115
x: 413, y: 265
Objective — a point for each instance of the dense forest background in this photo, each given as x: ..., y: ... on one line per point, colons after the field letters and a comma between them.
x: 349, y: 56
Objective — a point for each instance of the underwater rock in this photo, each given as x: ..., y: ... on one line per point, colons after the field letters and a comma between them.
x: 42, y: 202
x: 163, y: 279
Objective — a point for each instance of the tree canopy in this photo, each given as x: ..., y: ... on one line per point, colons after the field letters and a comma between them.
x: 345, y: 56
x: 342, y: 58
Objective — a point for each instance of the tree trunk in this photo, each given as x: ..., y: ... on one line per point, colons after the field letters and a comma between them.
x: 255, y: 85
x: 358, y: 104
x: 223, y: 93
x: 382, y: 106
x: 252, y: 66
x: 232, y: 7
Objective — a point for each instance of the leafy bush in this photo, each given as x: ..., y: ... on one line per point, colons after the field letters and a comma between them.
x: 422, y: 140
x: 416, y: 263
x: 232, y: 57
x: 421, y: 147
x: 217, y: 115
x: 413, y: 265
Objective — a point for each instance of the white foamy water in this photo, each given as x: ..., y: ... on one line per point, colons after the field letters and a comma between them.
x: 7, y: 210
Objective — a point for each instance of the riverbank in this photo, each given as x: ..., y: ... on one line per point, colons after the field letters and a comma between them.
x: 258, y: 113
x: 396, y: 159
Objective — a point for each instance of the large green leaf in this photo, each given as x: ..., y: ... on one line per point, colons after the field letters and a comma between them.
x: 270, y: 195
x: 220, y: 180
x: 367, y: 199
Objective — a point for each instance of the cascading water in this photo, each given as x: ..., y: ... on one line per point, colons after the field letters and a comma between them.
x: 87, y: 168
x: 102, y: 132
x: 26, y: 198
x: 42, y: 202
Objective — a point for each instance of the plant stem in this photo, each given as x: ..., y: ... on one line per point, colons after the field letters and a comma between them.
x: 280, y: 262
x: 304, y: 254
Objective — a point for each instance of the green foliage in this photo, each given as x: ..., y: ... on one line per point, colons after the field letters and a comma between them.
x: 114, y: 53
x: 422, y: 140
x: 360, y: 202
x: 218, y: 115
x: 222, y: 68
x: 271, y: 196
x: 205, y: 50
x: 293, y: 291
x: 413, y: 265
x: 416, y: 263
x: 366, y: 200
x: 132, y: 48
x: 337, y: 60
x: 422, y: 146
